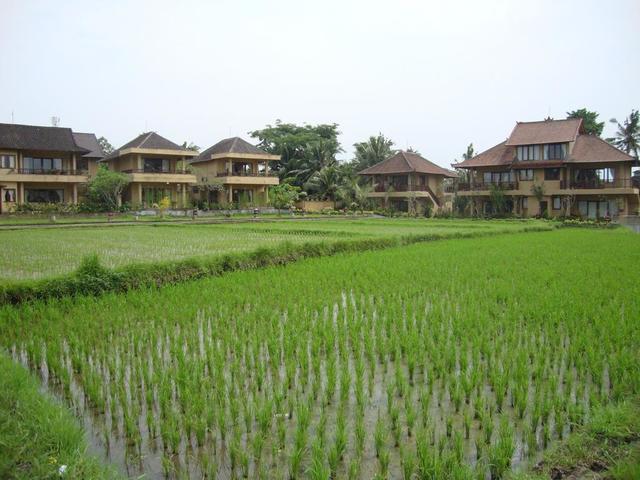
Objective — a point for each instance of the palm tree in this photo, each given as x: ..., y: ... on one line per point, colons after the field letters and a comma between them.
x: 373, y: 151
x: 628, y: 135
x: 325, y: 183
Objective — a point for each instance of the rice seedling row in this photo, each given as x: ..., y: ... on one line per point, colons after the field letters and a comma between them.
x: 459, y: 359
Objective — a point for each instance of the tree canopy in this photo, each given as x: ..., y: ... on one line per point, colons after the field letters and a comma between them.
x: 303, y: 149
x: 105, y: 188
x: 627, y: 136
x: 372, y: 151
x: 105, y: 146
x: 284, y: 195
x: 590, y: 122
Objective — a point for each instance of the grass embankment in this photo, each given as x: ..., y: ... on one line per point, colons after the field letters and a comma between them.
x: 39, y: 438
x: 606, y: 447
x: 92, y: 278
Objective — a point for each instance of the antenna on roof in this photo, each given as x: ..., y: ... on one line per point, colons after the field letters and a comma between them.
x: 55, y: 121
x: 12, y: 116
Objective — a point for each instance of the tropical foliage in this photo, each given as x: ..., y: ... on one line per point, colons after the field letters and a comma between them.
x: 627, y: 137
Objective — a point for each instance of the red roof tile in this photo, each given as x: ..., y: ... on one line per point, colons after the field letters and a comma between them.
x: 546, y: 131
x: 406, y: 162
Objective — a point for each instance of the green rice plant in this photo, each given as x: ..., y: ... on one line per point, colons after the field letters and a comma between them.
x: 501, y: 453
x: 407, y: 463
x: 379, y: 436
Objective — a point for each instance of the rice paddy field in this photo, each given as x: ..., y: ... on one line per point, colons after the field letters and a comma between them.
x: 464, y: 358
x: 32, y: 253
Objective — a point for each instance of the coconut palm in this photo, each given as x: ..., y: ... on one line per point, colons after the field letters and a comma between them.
x: 325, y: 183
x: 628, y: 135
x: 373, y: 151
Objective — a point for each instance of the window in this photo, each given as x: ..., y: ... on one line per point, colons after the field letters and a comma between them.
x: 552, y: 174
x: 153, y: 195
x: 10, y: 195
x: 498, y: 177
x: 528, y: 152
x: 82, y: 164
x: 45, y: 195
x: 7, y: 161
x: 525, y: 202
x: 42, y: 164
x: 156, y: 165
x: 557, y: 203
x: 555, y: 151
x: 526, y: 174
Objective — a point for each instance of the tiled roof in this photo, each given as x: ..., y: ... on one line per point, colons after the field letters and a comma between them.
x: 89, y: 142
x: 500, y: 155
x: 32, y: 137
x: 406, y: 162
x: 229, y: 145
x: 592, y: 149
x: 546, y: 131
x: 150, y: 140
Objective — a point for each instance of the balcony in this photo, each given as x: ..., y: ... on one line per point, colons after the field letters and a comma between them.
x: 150, y: 170
x: 32, y: 175
x: 390, y: 187
x: 482, y: 186
x: 241, y: 177
x: 596, y: 184
x: 32, y: 171
x: 149, y: 175
x: 241, y: 173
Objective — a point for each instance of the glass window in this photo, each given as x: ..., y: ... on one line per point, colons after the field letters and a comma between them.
x: 552, y: 174
x: 528, y: 152
x: 45, y: 195
x: 7, y: 161
x: 526, y: 174
x: 10, y: 195
x: 156, y: 165
x: 487, y: 177
x: 525, y: 202
x: 555, y: 151
x: 557, y: 203
x: 82, y: 164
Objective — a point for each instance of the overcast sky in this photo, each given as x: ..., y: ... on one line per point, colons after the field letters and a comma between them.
x: 431, y: 75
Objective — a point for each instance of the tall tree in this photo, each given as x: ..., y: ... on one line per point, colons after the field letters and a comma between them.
x: 372, y: 151
x: 105, y: 188
x: 303, y: 149
x: 325, y: 183
x: 628, y: 135
x: 590, y: 122
x: 105, y: 146
x: 464, y: 175
x: 190, y: 146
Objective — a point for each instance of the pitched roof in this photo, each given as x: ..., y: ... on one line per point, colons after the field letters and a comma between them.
x: 406, y: 162
x: 229, y: 145
x: 148, y: 140
x: 546, y: 131
x: 592, y: 149
x: 32, y: 137
x: 89, y: 142
x: 499, y: 155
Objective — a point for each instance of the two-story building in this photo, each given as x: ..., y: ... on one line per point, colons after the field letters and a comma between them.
x: 551, y: 167
x: 44, y: 164
x: 234, y: 171
x: 406, y: 181
x: 157, y: 169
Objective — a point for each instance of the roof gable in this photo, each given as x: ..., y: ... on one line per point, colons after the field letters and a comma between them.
x: 149, y: 141
x: 233, y: 145
x: 546, y: 131
x: 33, y: 137
x: 406, y: 162
x: 593, y: 149
x: 89, y: 142
x: 498, y: 155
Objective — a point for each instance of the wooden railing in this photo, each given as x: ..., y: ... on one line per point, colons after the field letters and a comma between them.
x: 228, y: 173
x: 481, y: 186
x: 597, y: 183
x: 42, y: 171
x: 171, y: 171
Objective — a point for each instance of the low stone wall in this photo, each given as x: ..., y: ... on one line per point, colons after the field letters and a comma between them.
x: 315, y: 205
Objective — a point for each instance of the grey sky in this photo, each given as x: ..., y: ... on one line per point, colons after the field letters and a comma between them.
x: 432, y: 75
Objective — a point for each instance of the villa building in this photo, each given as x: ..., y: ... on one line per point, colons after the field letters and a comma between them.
x: 234, y: 171
x: 408, y: 182
x: 551, y: 167
x: 44, y: 164
x: 157, y: 168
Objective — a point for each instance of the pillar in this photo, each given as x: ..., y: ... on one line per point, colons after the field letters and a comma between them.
x: 266, y: 195
x: 140, y: 167
x: 75, y: 189
x: 184, y: 195
x: 230, y: 198
x: 20, y: 192
x: 73, y: 167
x: 138, y: 194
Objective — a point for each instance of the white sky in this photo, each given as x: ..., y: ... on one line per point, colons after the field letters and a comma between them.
x: 431, y: 75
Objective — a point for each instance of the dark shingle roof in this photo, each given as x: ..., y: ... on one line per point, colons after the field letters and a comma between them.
x: 149, y: 140
x: 89, y: 142
x: 32, y: 137
x: 406, y: 162
x: 498, y: 155
x: 545, y: 131
x: 229, y: 145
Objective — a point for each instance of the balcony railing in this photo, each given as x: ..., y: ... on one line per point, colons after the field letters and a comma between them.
x: 389, y: 187
x: 149, y: 170
x: 596, y: 183
x: 41, y: 171
x: 228, y: 173
x: 481, y: 186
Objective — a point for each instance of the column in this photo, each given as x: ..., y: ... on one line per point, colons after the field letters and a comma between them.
x: 229, y: 167
x: 266, y: 194
x: 139, y: 194
x: 140, y: 167
x: 75, y: 189
x: 230, y: 198
x: 184, y: 195
x: 21, y: 192
x: 73, y: 164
